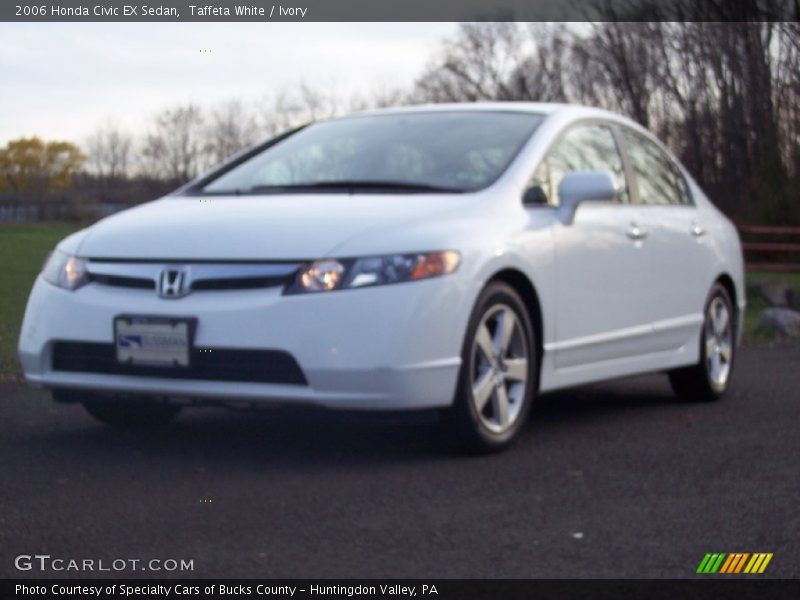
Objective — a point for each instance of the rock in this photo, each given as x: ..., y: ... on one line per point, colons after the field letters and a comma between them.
x: 774, y: 291
x: 782, y: 321
x: 793, y: 299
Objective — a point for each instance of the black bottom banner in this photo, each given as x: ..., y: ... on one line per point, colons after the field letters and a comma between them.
x: 397, y: 589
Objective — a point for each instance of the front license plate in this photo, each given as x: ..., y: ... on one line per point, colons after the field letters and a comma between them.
x: 155, y: 341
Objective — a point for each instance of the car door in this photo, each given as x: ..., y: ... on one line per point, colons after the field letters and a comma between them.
x: 599, y: 257
x: 679, y: 259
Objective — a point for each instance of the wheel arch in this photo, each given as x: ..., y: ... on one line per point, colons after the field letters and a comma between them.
x: 524, y: 287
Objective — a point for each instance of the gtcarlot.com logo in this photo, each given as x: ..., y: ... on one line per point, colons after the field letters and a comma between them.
x: 45, y: 562
x: 734, y: 563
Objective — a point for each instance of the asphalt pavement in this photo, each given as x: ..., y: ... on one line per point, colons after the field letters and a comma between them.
x: 611, y: 480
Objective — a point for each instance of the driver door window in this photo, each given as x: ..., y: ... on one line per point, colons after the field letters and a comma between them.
x: 582, y: 148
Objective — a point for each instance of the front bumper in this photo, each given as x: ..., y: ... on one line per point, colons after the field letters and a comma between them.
x: 384, y: 348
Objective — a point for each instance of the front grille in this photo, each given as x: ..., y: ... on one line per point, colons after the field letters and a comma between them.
x: 245, y: 283
x: 198, y: 276
x: 129, y: 282
x: 221, y: 364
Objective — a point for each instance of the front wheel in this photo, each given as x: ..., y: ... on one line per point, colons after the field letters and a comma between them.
x: 708, y: 380
x: 497, y: 378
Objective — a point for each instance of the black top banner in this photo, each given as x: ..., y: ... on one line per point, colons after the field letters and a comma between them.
x: 398, y: 10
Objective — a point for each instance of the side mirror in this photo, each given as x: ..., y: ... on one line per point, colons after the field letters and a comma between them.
x: 584, y: 186
x: 534, y: 196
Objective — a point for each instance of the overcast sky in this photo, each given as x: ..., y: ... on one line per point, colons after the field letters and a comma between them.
x: 62, y: 80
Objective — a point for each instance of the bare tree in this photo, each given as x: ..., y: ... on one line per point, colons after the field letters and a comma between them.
x: 476, y: 64
x: 109, y: 151
x: 292, y: 107
x: 786, y: 89
x: 173, y: 149
x: 231, y: 128
x: 378, y: 96
x: 724, y: 95
x: 542, y: 75
x: 621, y: 57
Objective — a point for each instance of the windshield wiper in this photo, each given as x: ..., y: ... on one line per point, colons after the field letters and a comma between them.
x: 400, y: 186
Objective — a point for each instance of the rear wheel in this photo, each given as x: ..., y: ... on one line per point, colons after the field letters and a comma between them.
x: 130, y: 412
x: 708, y: 380
x: 496, y: 382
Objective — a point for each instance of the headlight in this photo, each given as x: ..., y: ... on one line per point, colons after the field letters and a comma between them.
x: 331, y: 274
x: 65, y: 270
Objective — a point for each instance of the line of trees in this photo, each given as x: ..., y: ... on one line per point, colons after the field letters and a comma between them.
x: 113, y: 169
x: 723, y: 96
x: 186, y: 139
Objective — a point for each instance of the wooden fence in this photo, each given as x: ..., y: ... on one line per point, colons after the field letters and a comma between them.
x: 768, y: 248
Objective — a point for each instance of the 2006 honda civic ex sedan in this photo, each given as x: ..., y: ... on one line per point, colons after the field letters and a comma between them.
x: 464, y: 258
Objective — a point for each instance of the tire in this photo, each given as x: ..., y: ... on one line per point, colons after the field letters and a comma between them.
x: 710, y: 378
x: 497, y: 380
x: 131, y: 412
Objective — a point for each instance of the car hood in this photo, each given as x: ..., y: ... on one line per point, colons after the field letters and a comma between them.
x: 294, y: 226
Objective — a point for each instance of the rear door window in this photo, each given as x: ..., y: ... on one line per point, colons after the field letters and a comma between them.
x: 658, y: 177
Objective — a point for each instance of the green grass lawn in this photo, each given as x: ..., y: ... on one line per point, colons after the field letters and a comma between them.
x: 23, y: 248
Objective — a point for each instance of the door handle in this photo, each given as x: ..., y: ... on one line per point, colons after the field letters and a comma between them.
x: 697, y: 230
x: 636, y: 233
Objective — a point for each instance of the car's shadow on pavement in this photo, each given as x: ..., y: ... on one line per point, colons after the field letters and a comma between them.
x: 301, y: 436
x: 604, y: 399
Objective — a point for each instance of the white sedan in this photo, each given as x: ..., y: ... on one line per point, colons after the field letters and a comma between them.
x: 464, y: 258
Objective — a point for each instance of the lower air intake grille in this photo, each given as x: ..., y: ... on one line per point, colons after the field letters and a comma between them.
x: 247, y: 366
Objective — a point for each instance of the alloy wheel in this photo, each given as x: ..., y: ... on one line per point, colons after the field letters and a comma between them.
x: 500, y: 370
x: 718, y: 340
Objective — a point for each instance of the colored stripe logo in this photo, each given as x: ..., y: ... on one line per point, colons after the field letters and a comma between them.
x: 737, y: 562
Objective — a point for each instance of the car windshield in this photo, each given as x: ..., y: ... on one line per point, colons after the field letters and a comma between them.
x: 457, y: 151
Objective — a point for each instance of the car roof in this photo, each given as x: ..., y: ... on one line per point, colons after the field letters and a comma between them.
x: 563, y: 112
x: 541, y: 108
